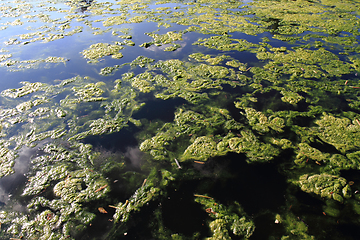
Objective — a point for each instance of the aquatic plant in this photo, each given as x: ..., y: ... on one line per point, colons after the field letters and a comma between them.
x: 99, y: 50
x: 226, y: 219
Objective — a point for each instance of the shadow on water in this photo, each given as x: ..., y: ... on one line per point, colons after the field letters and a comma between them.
x: 158, y: 109
x: 118, y: 141
x: 259, y: 188
x: 255, y: 186
x: 181, y: 213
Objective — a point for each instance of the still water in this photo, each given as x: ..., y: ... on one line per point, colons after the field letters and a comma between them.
x: 164, y: 119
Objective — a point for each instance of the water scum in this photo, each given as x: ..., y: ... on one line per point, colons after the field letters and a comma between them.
x: 274, y: 82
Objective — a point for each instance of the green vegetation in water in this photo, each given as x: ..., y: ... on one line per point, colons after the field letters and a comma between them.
x: 296, y: 105
x: 100, y: 50
x: 226, y: 220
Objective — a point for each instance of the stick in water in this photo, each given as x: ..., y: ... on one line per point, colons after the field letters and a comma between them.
x: 177, y: 163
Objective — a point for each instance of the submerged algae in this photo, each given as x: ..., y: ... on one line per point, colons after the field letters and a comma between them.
x: 226, y: 219
x: 141, y: 197
x: 71, y: 188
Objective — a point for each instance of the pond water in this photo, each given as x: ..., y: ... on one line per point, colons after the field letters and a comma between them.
x: 165, y: 119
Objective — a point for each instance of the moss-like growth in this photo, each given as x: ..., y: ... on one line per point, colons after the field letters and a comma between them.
x: 7, y: 158
x: 295, y: 228
x: 26, y: 89
x: 143, y: 82
x: 261, y: 123
x: 201, y: 149
x: 291, y: 97
x: 306, y: 152
x: 326, y: 186
x: 226, y: 220
x: 99, y: 50
x: 141, y: 196
x: 342, y: 133
x: 248, y: 143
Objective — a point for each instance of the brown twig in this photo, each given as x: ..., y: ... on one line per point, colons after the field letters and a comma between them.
x: 199, y: 162
x: 197, y: 195
x: 101, y: 188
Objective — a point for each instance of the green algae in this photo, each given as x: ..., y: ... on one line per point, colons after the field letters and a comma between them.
x: 163, y: 39
x: 7, y: 158
x: 25, y: 90
x: 326, y: 186
x: 201, y: 149
x: 141, y: 196
x: 297, y: 76
x: 296, y: 228
x: 306, y: 152
x: 331, y: 208
x: 226, y: 220
x: 342, y: 133
x: 17, y: 65
x: 182, y: 80
x: 248, y: 143
x: 261, y: 123
x: 143, y: 82
x: 291, y: 97
x: 306, y: 63
x: 36, y: 111
x: 73, y: 188
x: 99, y: 50
x: 225, y: 43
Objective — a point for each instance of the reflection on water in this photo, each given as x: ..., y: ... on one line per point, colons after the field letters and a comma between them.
x: 11, y: 186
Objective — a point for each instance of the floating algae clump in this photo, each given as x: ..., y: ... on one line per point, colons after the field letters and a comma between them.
x: 261, y: 123
x: 143, y: 82
x: 24, y: 90
x: 99, y: 50
x: 339, y: 132
x: 69, y: 181
x: 115, y: 20
x: 190, y: 123
x: 326, y: 186
x: 166, y: 38
x: 248, y: 143
x: 90, y: 92
x: 306, y: 63
x: 306, y: 152
x: 201, y: 149
x: 291, y: 97
x: 225, y: 43
x: 142, y: 196
x: 7, y: 158
x: 226, y: 219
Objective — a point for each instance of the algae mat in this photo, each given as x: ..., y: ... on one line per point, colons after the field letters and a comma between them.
x: 167, y: 119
